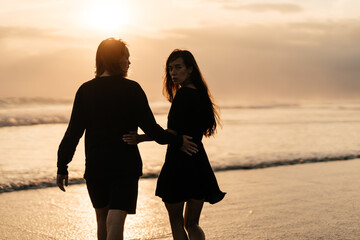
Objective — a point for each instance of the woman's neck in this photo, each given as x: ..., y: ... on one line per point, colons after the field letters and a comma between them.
x: 188, y: 83
x: 189, y: 86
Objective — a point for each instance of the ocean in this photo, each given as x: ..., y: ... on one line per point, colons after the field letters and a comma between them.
x: 252, y: 136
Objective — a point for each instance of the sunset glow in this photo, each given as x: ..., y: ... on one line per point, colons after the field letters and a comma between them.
x: 248, y: 49
x: 107, y: 16
x: 283, y: 77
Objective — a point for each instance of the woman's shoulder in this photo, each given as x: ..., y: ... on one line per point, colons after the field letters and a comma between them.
x: 188, y: 89
x: 186, y: 96
x: 187, y: 92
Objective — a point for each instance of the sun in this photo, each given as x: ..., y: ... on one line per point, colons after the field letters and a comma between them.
x: 107, y: 15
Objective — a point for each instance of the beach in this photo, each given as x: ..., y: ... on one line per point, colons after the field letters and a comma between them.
x: 281, y: 79
x: 306, y: 201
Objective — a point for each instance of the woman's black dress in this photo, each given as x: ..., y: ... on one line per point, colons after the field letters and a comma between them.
x: 185, y: 177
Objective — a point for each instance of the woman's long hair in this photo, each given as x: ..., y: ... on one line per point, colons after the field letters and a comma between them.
x: 109, y: 55
x: 170, y: 89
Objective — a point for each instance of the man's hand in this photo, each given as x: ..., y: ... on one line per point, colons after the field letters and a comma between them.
x: 60, y: 181
x: 132, y: 138
x: 188, y: 146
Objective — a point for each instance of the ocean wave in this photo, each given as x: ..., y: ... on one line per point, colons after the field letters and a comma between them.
x: 51, y: 182
x: 33, y: 111
x: 35, y: 184
x: 260, y: 106
x: 30, y: 120
x: 285, y: 162
x: 20, y: 112
x: 21, y: 101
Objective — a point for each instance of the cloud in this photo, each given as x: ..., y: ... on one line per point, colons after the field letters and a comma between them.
x: 265, y: 7
x: 24, y: 32
x: 42, y: 62
x: 27, y: 38
x: 291, y: 60
x: 296, y: 60
x: 49, y: 74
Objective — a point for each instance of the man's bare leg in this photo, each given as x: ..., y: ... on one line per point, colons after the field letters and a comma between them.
x: 101, y: 216
x: 115, y: 224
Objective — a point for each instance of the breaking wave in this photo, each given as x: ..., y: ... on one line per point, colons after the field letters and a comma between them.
x: 51, y: 182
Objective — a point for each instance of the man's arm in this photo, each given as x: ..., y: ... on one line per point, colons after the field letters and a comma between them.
x: 148, y: 123
x: 70, y: 141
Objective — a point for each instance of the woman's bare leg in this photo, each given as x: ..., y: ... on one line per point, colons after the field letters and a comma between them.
x: 192, y: 217
x: 115, y: 224
x: 101, y: 215
x: 175, y: 211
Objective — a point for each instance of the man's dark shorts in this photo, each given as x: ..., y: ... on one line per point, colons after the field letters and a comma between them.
x: 117, y: 193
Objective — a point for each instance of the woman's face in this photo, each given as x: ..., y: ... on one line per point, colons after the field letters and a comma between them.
x: 178, y: 71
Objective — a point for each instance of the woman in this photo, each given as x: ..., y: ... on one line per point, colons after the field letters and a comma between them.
x: 107, y: 107
x: 184, y: 179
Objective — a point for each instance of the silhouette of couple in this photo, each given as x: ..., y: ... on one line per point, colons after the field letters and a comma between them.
x: 109, y: 109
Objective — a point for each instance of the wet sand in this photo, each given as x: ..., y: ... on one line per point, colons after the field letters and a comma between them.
x: 308, y: 201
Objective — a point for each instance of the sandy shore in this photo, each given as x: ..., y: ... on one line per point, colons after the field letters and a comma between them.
x: 309, y: 201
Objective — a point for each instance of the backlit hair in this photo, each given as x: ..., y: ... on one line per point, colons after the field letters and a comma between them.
x: 109, y: 55
x: 170, y: 89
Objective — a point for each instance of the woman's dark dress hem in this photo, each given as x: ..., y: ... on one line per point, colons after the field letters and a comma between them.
x: 185, y: 177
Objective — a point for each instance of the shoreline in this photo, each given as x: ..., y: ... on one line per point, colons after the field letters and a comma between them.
x: 304, y: 201
x: 32, y: 185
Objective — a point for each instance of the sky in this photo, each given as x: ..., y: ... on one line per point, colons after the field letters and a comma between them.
x: 247, y: 50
